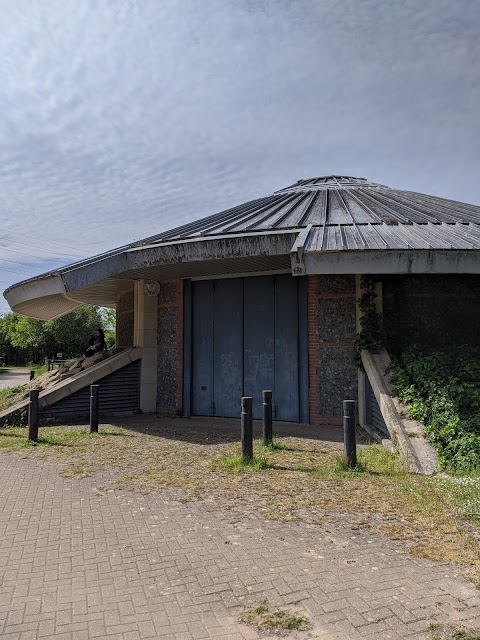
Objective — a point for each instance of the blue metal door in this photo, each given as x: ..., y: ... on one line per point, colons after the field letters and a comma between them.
x: 228, y: 346
x: 202, y: 348
x: 285, y: 388
x: 247, y: 335
x: 259, y: 355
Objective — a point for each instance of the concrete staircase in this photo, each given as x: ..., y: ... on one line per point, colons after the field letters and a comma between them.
x: 407, y: 436
x: 67, y: 387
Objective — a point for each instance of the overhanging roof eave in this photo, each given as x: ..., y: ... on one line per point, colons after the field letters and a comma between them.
x: 66, y: 287
x: 388, y: 261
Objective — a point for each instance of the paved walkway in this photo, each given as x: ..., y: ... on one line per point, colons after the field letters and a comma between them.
x: 79, y: 563
x: 13, y: 377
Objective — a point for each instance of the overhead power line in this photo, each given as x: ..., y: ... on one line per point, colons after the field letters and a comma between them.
x: 13, y: 270
x: 43, y: 249
x: 12, y: 261
x: 77, y: 250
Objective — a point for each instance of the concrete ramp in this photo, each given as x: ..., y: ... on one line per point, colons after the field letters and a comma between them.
x: 408, y: 436
x: 70, y: 397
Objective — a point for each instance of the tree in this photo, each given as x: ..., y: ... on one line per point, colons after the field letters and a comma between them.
x: 25, y: 340
x: 109, y: 318
x: 28, y: 335
x: 70, y: 333
x: 7, y: 322
x: 109, y: 322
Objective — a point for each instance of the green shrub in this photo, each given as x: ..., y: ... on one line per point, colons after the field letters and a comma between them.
x: 442, y: 390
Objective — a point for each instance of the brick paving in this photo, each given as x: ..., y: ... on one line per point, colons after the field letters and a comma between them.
x: 78, y: 562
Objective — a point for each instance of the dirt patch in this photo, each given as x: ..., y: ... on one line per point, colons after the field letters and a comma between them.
x: 264, y: 617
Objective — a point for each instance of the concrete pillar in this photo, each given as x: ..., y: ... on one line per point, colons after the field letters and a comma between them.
x: 145, y: 336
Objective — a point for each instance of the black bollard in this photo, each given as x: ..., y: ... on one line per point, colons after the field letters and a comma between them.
x: 267, y: 419
x: 246, y: 427
x: 32, y: 375
x: 349, y: 433
x: 33, y: 415
x: 94, y: 408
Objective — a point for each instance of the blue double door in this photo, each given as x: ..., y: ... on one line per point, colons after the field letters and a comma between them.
x: 249, y: 334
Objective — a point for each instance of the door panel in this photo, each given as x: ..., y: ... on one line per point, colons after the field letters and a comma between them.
x: 285, y: 398
x: 245, y: 338
x: 303, y: 378
x: 228, y: 347
x: 258, y: 339
x: 202, y: 348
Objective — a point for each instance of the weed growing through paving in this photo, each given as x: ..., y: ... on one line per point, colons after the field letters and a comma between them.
x: 276, y: 445
x: 448, y: 632
x: 371, y: 460
x: 265, y: 617
x: 237, y: 463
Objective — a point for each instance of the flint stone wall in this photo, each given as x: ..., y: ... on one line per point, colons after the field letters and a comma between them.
x: 431, y: 310
x: 170, y: 347
x: 332, y: 372
x: 125, y: 313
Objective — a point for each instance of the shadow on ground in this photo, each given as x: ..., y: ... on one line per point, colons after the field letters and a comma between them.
x: 217, y: 430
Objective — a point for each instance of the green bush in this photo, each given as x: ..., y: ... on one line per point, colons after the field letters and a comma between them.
x: 442, y: 390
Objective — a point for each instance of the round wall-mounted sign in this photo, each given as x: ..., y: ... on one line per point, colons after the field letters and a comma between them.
x: 152, y: 288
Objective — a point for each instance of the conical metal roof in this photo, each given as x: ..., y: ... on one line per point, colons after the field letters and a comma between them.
x: 324, y: 201
x: 331, y: 224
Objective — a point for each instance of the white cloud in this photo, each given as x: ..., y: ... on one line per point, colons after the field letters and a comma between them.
x: 121, y: 119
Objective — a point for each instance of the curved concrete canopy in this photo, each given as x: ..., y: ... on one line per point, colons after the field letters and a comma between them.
x: 333, y: 224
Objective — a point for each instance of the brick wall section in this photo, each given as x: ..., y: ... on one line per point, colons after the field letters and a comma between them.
x: 124, y: 323
x: 170, y: 347
x: 331, y: 337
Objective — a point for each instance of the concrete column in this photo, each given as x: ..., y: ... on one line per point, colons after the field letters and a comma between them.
x: 145, y: 336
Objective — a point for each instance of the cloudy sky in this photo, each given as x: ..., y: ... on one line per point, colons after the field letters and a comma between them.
x: 122, y: 118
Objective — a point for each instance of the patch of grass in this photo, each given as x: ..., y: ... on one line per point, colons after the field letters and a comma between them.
x: 13, y: 438
x: 264, y: 617
x: 237, y: 463
x: 276, y: 445
x: 434, y: 627
x: 11, y: 395
x: 449, y: 632
x: 461, y: 493
x: 371, y: 460
x: 11, y: 390
x: 38, y: 368
x: 377, y: 460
